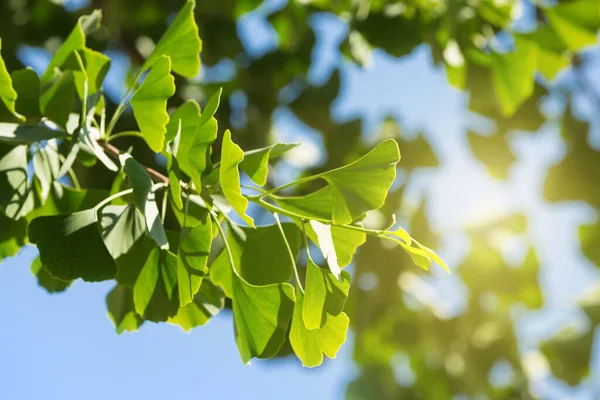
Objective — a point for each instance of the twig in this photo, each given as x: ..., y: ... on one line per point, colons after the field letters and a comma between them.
x: 114, y: 153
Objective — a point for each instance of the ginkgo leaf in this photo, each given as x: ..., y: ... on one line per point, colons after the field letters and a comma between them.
x: 27, y: 85
x: 71, y: 246
x: 345, y: 241
x: 149, y: 103
x: 315, y: 205
x: 207, y: 303
x: 229, y: 177
x: 46, y: 165
x: 181, y: 43
x: 15, y: 190
x: 256, y: 162
x: 144, y: 199
x: 88, y: 67
x: 75, y: 41
x: 325, y: 241
x: 419, y: 256
x: 206, y: 134
x: 575, y: 22
x: 27, y: 134
x: 184, y: 121
x: 47, y: 281
x: 258, y: 264
x: 88, y: 140
x: 310, y: 345
x: 513, y: 75
x: 194, y: 248
x: 122, y: 227
x: 432, y: 255
x: 8, y: 95
x: 57, y: 101
x: 158, y: 273
x: 121, y: 310
x: 325, y: 295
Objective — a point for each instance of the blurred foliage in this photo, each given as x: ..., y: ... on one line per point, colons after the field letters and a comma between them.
x: 508, y: 63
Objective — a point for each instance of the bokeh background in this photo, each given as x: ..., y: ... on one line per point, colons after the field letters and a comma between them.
x: 509, y: 202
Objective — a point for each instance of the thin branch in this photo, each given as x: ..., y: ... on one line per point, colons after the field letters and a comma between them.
x: 114, y: 153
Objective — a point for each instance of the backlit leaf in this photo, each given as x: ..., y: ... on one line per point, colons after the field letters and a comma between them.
x: 15, y: 190
x: 8, y: 95
x: 256, y: 162
x: 159, y: 273
x: 122, y: 227
x: 194, y: 248
x: 47, y: 281
x: 121, y: 310
x: 207, y: 303
x: 325, y: 241
x: 26, y: 134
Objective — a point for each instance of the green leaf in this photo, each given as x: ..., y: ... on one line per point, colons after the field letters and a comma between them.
x: 325, y: 295
x: 513, y: 75
x: 47, y: 281
x: 122, y: 227
x: 181, y: 43
x: 256, y: 263
x: 88, y: 138
x: 229, y: 177
x: 194, y: 248
x: 184, y: 121
x: 256, y: 162
x: 13, y: 236
x: 27, y: 84
x: 121, y: 311
x: 71, y: 246
x: 149, y: 103
x: 310, y: 345
x: 8, y: 94
x: 145, y: 199
x: 46, y: 166
x: 325, y: 242
x: 207, y: 303
x: 26, y: 134
x: 206, y: 134
x: 315, y: 205
x: 15, y: 190
x: 57, y: 101
x: 575, y: 22
x: 431, y: 254
x: 86, y: 25
x: 418, y: 256
x: 66, y: 200
x: 159, y: 272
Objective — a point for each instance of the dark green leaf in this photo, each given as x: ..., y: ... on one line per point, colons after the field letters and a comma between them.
x: 15, y: 190
x: 206, y: 304
x: 47, y: 281
x: 27, y: 84
x: 121, y: 311
x: 21, y: 134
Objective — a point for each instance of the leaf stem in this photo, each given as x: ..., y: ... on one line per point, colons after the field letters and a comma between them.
x: 123, y: 104
x: 125, y: 193
x: 226, y: 243
x: 124, y: 134
x: 287, y: 185
x: 289, y: 250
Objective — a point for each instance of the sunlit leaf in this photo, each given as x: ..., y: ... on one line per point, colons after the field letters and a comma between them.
x: 71, y: 246
x: 194, y: 248
x: 15, y: 190
x: 575, y: 22
x: 26, y: 134
x: 207, y: 303
x: 325, y: 242
x: 122, y: 227
x: 149, y: 103
x: 159, y: 273
x: 8, y: 95
x: 256, y: 162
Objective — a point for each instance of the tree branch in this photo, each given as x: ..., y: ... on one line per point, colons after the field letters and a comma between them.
x: 114, y: 153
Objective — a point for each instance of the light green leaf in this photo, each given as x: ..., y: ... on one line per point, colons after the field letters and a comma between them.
x: 149, y: 103
x: 419, y: 257
x: 256, y: 263
x: 27, y: 84
x: 575, y: 22
x: 47, y: 281
x: 95, y: 67
x: 325, y: 295
x: 15, y: 190
x: 402, y: 234
x: 71, y: 246
x: 27, y: 134
x: 46, y: 165
x: 434, y: 257
x: 88, y: 137
x: 513, y: 75
x: 12, y: 236
x: 86, y: 25
x: 325, y: 242
x: 194, y: 248
x: 184, y: 120
x: 229, y: 177
x: 8, y: 94
x: 121, y: 310
x: 310, y: 345
x: 65, y: 200
x: 145, y: 199
x: 207, y: 303
x: 181, y: 43
x: 316, y: 205
x: 159, y: 272
x: 256, y: 162
x: 122, y: 227
x: 206, y: 134
x: 57, y: 101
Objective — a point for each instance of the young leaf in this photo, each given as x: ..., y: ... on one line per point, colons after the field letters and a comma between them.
x: 47, y: 281
x: 71, y: 246
x: 207, y: 303
x: 27, y: 134
x: 181, y: 43
x: 15, y: 190
x: 122, y: 227
x: 149, y: 103
x: 325, y: 295
x: 184, y: 121
x: 431, y: 254
x: 145, y: 199
x: 194, y: 248
x: 256, y: 162
x: 310, y: 345
x: 229, y: 177
x: 159, y: 273
x: 121, y: 310
x: 8, y: 95
x: 327, y: 247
